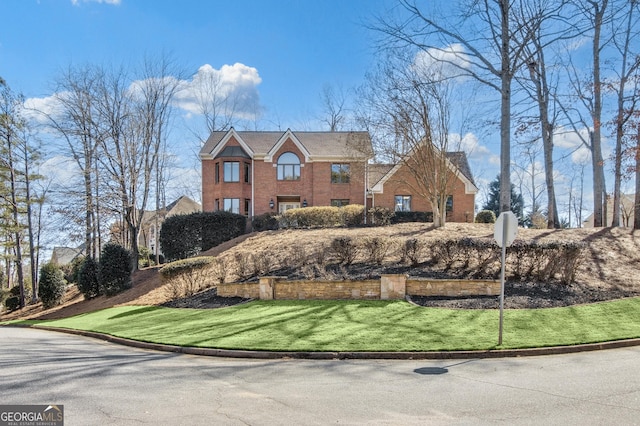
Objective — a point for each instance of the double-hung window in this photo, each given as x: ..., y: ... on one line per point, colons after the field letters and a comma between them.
x: 340, y: 173
x: 231, y: 171
x: 232, y: 205
x: 403, y: 203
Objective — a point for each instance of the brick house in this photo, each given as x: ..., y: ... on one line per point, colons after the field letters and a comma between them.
x: 391, y: 186
x: 252, y: 173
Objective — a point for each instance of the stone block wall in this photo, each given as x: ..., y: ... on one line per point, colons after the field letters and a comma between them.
x: 389, y: 287
x: 452, y: 288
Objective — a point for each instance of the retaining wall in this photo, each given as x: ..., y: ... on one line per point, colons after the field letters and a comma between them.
x: 388, y: 287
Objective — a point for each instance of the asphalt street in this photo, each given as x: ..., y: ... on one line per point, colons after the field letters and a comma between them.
x: 100, y: 383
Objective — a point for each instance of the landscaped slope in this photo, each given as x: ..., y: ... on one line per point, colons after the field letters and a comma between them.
x: 610, y: 267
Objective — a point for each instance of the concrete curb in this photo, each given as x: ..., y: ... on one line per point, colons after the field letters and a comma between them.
x: 233, y: 353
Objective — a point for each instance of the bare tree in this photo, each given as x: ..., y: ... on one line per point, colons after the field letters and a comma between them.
x: 409, y: 108
x: 624, y: 38
x: 493, y: 35
x: 589, y: 95
x: 135, y: 119
x: 333, y: 103
x: 74, y: 120
x: 215, y: 101
x: 10, y: 127
x: 540, y: 82
x: 636, y: 204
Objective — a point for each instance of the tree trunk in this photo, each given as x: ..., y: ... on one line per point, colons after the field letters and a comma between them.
x: 16, y: 221
x: 32, y: 245
x: 636, y: 206
x: 599, y: 190
x: 505, y: 111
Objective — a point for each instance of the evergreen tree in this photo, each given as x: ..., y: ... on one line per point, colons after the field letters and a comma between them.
x: 493, y: 200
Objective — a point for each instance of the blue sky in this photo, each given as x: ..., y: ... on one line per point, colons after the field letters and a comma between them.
x: 281, y: 52
x: 295, y: 46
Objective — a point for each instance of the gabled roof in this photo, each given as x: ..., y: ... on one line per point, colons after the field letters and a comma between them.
x: 317, y: 146
x: 65, y: 255
x: 375, y: 173
x: 459, y: 159
x: 378, y: 174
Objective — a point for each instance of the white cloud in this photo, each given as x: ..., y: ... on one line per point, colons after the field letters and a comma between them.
x: 60, y: 170
x: 447, y: 62
x: 37, y: 109
x: 232, y: 89
x: 571, y: 141
x: 113, y: 2
x: 470, y: 144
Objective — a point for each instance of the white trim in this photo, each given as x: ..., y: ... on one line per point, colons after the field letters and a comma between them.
x: 379, y: 186
x: 223, y: 142
x: 469, y: 187
x: 268, y: 158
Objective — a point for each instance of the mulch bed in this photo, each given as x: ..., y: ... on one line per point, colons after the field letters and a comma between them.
x: 207, y: 299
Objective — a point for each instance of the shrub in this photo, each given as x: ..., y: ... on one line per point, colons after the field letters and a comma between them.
x: 403, y: 217
x: 381, y: 216
x: 12, y: 303
x: 312, y: 217
x: 184, y: 236
x: 114, y: 269
x: 265, y: 222
x: 52, y: 285
x: 88, y: 282
x: 219, y: 270
x: 323, y: 217
x: 486, y: 216
x: 243, y: 265
x: 352, y: 215
x: 344, y: 249
x: 146, y: 257
x: 411, y: 251
x: 188, y: 276
x: 71, y: 270
x: 376, y: 249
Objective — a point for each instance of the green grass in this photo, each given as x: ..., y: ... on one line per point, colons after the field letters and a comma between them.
x: 361, y: 326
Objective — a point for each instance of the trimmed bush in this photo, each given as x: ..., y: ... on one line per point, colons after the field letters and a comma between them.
x: 323, y: 217
x: 188, y: 276
x: 52, y: 285
x: 486, y: 216
x: 344, y: 249
x: 411, y: 251
x: 12, y: 303
x: 352, y: 215
x: 376, y: 249
x: 404, y: 217
x: 115, y: 269
x: 88, y: 282
x: 381, y: 216
x: 265, y: 222
x: 184, y: 236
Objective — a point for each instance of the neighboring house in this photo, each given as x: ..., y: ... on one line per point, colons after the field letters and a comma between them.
x: 627, y: 203
x: 66, y: 255
x: 252, y: 173
x: 147, y: 235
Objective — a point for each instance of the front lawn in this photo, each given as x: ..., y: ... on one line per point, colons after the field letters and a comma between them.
x: 361, y: 326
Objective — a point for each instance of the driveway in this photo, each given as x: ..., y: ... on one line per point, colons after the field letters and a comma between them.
x: 100, y: 383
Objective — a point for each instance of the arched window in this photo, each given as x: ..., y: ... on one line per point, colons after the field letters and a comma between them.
x: 288, y: 166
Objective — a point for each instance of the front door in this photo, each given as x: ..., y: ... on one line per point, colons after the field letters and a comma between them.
x: 283, y: 206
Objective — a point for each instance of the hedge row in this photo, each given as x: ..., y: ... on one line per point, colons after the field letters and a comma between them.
x: 526, y: 260
x: 334, y: 217
x: 184, y: 236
